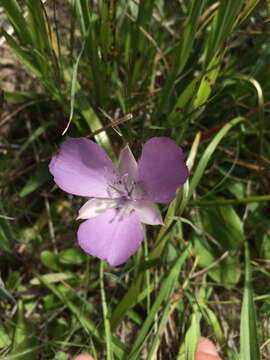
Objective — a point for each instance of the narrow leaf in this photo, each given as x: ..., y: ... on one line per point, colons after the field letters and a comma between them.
x: 249, y: 345
x: 208, y: 152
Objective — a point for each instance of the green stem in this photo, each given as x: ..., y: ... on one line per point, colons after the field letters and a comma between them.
x: 218, y: 202
x: 105, y: 312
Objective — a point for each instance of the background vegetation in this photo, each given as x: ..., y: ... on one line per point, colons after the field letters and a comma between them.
x: 196, y: 71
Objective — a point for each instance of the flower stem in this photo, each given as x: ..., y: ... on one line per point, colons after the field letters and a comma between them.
x: 105, y: 313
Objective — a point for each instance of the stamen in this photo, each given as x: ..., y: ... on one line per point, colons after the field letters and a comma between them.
x: 131, y: 187
x: 125, y: 178
x: 118, y: 190
x: 122, y: 189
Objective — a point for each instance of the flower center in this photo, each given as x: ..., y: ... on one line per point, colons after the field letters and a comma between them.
x: 122, y: 189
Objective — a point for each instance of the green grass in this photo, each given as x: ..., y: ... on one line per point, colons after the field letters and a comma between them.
x: 196, y: 71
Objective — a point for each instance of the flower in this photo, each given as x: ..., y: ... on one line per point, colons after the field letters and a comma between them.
x: 121, y: 199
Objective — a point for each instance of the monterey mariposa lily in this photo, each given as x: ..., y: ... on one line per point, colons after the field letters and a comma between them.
x: 120, y: 199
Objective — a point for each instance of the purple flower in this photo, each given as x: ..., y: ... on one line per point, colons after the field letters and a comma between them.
x: 121, y: 199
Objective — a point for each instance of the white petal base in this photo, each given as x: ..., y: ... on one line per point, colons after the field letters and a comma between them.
x: 96, y: 207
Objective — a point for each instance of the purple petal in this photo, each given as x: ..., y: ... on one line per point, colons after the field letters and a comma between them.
x: 83, y: 168
x: 112, y: 236
x: 161, y: 169
x: 127, y: 163
x: 147, y: 212
x: 95, y: 207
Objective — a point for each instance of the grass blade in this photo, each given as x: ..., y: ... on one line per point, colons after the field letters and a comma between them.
x: 138, y: 38
x: 222, y: 26
x: 83, y: 14
x: 108, y: 335
x: 209, y: 79
x: 165, y: 293
x: 108, y: 33
x: 23, y: 55
x: 208, y: 153
x: 24, y: 338
x: 249, y: 345
x: 17, y: 20
x: 117, y: 346
x: 188, y: 37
